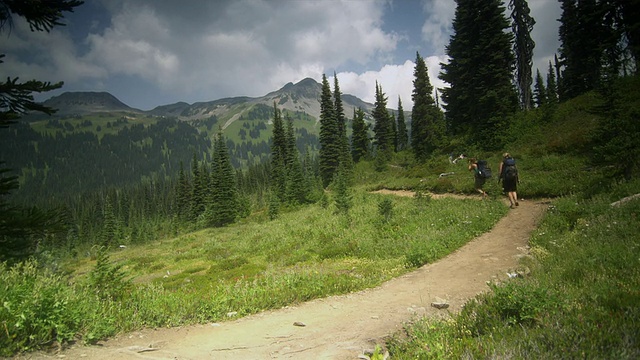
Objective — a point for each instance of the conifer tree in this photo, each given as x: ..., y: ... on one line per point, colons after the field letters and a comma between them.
x: 427, y: 120
x: 197, y: 191
x: 360, y: 143
x: 403, y: 137
x: 225, y: 198
x: 330, y: 148
x: 22, y: 228
x: 522, y: 25
x: 480, y: 96
x: 296, y: 191
x: 278, y: 155
x: 539, y: 90
x: 552, y: 87
x: 382, y: 128
x: 345, y: 156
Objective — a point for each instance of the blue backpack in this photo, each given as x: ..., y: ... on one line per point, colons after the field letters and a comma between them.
x: 484, y: 171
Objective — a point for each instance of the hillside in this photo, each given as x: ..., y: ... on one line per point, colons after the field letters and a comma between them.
x: 301, y: 97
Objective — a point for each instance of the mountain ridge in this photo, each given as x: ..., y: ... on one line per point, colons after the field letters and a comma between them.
x: 303, y: 96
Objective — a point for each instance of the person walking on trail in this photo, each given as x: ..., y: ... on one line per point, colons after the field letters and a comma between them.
x: 510, y: 178
x: 479, y: 178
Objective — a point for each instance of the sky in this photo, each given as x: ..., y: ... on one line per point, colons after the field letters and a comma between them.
x: 149, y: 53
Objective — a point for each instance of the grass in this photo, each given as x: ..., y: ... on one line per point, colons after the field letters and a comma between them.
x: 203, y: 276
x: 582, y: 299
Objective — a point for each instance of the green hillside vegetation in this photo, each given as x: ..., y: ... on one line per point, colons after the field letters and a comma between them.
x: 580, y: 300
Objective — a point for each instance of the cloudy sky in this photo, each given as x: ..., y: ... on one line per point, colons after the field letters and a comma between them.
x: 156, y: 52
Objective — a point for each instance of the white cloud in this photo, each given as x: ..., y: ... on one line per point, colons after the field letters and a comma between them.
x: 437, y: 26
x: 277, y: 42
x: 395, y: 80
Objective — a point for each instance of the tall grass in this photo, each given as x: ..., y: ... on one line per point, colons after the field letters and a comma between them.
x: 213, y: 274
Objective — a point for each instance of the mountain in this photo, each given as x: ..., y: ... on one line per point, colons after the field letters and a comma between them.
x: 80, y: 103
x: 303, y: 96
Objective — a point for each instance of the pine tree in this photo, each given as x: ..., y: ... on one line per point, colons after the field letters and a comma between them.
x: 539, y: 90
x: 197, y: 191
x: 345, y: 156
x: 278, y: 155
x: 427, y: 120
x: 382, y: 129
x: 480, y: 96
x: 22, y: 228
x: 402, y: 138
x: 330, y: 148
x: 360, y: 143
x: 296, y: 191
x: 552, y: 87
x: 522, y: 25
x: 225, y: 202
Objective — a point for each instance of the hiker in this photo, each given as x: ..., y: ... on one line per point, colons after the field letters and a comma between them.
x: 479, y: 177
x: 510, y: 178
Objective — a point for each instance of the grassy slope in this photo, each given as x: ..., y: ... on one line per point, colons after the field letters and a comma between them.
x: 582, y: 298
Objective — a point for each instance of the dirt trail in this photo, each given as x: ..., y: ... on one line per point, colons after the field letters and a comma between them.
x: 337, y: 327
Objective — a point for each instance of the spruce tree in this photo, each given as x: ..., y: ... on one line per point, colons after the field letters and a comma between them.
x: 278, y: 155
x: 552, y: 87
x: 296, y: 191
x: 198, y: 199
x: 345, y: 156
x: 382, y: 129
x: 360, y: 143
x: 225, y: 202
x: 480, y: 96
x: 539, y: 90
x: 522, y: 25
x: 427, y: 120
x: 402, y: 137
x: 330, y: 148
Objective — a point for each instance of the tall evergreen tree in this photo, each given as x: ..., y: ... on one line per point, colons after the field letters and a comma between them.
x: 427, y: 120
x: 21, y: 229
x: 330, y: 146
x: 522, y: 25
x: 345, y: 156
x: 198, y: 197
x: 382, y: 128
x: 403, y: 137
x: 539, y: 90
x: 480, y: 96
x: 278, y: 155
x: 552, y: 86
x: 225, y: 198
x: 360, y: 143
x: 296, y: 191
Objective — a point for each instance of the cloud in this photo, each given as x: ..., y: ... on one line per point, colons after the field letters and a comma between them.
x: 243, y: 48
x: 437, y: 26
x: 396, y: 82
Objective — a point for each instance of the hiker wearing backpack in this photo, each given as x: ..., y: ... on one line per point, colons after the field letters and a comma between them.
x: 509, y: 177
x: 481, y: 173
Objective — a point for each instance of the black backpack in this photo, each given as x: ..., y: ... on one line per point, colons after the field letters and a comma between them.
x: 509, y: 170
x: 484, y: 171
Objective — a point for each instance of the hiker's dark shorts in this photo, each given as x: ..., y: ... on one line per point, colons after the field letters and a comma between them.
x: 479, y: 183
x: 509, y: 185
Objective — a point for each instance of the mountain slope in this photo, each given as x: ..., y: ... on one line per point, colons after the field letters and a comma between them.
x: 79, y: 103
x: 300, y: 97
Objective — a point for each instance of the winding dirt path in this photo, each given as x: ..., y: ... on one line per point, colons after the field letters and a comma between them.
x: 337, y: 327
